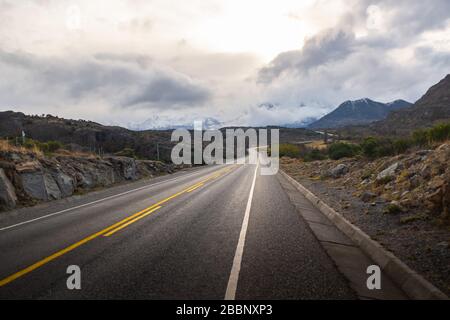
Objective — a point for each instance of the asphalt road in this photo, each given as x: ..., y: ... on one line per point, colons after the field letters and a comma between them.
x: 209, y: 233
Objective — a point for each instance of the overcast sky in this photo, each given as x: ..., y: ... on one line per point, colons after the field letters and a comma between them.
x: 159, y: 61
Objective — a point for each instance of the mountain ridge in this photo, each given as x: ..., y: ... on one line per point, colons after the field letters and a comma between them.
x: 358, y: 112
x: 433, y: 107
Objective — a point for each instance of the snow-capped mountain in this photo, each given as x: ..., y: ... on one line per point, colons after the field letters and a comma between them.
x: 170, y: 123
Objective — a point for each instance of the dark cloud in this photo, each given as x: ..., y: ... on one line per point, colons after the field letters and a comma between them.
x: 326, y: 47
x: 123, y: 81
x: 170, y: 91
x: 412, y: 17
x: 336, y: 65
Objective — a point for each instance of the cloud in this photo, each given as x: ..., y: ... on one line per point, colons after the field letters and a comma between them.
x: 121, y: 81
x: 172, y: 91
x: 131, y: 60
x: 327, y: 47
x: 357, y: 59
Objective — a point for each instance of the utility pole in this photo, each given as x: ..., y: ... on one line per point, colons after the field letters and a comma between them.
x: 157, y: 151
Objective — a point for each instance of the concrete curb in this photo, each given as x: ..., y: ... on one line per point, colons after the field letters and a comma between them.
x: 413, y: 284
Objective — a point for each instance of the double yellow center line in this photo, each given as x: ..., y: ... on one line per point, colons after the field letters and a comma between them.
x: 111, y: 229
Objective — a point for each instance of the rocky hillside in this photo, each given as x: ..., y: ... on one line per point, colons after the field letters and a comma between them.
x: 415, y: 185
x: 27, y: 178
x: 432, y: 108
x: 86, y: 135
x: 402, y: 202
x: 81, y: 135
x: 357, y: 113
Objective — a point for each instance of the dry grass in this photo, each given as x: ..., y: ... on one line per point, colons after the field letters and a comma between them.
x: 5, y: 146
x: 76, y: 154
x: 317, y: 144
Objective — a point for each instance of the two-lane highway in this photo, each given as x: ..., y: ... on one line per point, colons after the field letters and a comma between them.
x: 211, y: 233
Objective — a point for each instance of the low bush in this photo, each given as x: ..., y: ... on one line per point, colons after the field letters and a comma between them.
x: 314, y: 155
x: 127, y: 152
x: 289, y: 150
x: 341, y: 150
x: 439, y: 133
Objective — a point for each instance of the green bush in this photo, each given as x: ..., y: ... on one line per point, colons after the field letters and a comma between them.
x: 46, y: 147
x: 127, y: 152
x: 29, y: 144
x: 377, y: 147
x: 289, y: 150
x: 439, y: 133
x: 314, y: 155
x: 420, y: 137
x: 392, y: 209
x: 369, y: 147
x: 402, y: 145
x: 341, y: 150
x: 53, y: 146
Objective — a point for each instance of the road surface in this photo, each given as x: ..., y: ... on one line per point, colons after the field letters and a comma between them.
x: 214, y: 232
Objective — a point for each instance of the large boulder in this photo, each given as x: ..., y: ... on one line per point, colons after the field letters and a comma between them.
x: 389, y: 172
x: 65, y: 183
x: 38, y: 183
x: 51, y: 187
x: 339, y: 171
x: 126, y: 167
x: 33, y: 180
x: 8, y: 196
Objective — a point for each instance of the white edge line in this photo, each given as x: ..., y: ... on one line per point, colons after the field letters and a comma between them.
x: 93, y: 202
x: 230, y: 294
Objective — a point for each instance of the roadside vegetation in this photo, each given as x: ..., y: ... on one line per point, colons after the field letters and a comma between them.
x: 371, y: 147
x: 40, y: 149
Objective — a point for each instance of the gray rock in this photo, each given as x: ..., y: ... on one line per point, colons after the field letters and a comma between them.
x: 125, y: 166
x: 8, y: 196
x: 51, y: 187
x: 65, y: 183
x: 389, y: 172
x: 34, y: 184
x: 339, y: 171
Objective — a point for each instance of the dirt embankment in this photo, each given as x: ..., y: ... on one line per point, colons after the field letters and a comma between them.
x: 403, y: 202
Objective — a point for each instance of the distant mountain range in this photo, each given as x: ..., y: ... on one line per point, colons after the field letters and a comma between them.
x: 300, y: 124
x: 165, y: 123
x: 358, y: 112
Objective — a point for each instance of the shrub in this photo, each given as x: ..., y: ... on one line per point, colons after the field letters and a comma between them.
x: 289, y: 150
x: 127, y: 152
x: 420, y: 137
x: 439, y: 133
x: 53, y: 146
x: 392, y: 209
x: 402, y: 145
x: 377, y: 147
x: 314, y: 155
x: 369, y: 147
x: 341, y: 150
x: 48, y: 147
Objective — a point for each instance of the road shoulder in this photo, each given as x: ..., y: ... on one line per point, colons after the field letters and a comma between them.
x: 351, y: 260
